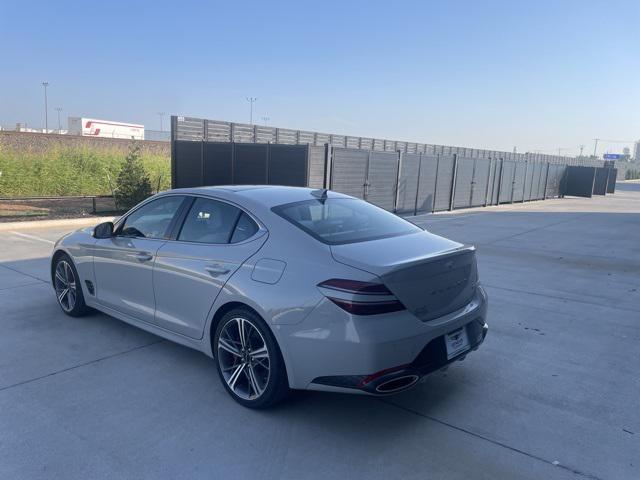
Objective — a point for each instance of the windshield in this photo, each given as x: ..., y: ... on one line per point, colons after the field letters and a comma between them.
x: 344, y: 220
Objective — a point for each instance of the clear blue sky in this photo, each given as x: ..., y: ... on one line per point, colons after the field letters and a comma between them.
x: 493, y: 74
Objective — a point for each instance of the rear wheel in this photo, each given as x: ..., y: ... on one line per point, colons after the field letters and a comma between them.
x: 67, y: 286
x: 249, y: 361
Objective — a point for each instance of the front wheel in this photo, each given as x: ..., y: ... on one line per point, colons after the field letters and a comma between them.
x: 249, y: 361
x: 66, y: 283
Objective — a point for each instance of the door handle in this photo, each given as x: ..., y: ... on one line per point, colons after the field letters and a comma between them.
x: 142, y: 256
x: 215, y: 270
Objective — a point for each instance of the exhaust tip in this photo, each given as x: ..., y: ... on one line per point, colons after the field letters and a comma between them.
x: 397, y: 384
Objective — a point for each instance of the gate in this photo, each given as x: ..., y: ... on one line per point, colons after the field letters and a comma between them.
x: 528, y: 181
x: 464, y: 183
x: 580, y: 181
x: 382, y: 179
x: 408, y: 183
x: 349, y: 171
x: 506, y: 182
x: 611, y: 182
x: 427, y: 183
x: 600, y: 183
x: 480, y: 185
x: 365, y: 174
x: 444, y: 181
x: 518, y: 182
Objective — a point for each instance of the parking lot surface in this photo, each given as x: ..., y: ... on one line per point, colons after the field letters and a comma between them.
x: 554, y: 392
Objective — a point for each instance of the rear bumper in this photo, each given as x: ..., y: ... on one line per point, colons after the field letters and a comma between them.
x: 433, y: 357
x: 334, y: 351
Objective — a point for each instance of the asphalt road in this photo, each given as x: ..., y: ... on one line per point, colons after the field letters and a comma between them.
x: 553, y: 393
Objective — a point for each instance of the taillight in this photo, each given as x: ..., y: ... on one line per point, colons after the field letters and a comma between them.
x: 360, y: 298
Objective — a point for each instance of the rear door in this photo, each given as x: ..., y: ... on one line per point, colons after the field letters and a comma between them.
x: 123, y: 264
x: 210, y: 242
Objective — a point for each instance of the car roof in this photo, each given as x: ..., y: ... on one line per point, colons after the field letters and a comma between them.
x: 262, y: 195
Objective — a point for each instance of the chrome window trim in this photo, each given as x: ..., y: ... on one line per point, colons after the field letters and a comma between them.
x: 262, y: 230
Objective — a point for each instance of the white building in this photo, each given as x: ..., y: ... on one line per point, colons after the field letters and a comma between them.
x: 92, y: 127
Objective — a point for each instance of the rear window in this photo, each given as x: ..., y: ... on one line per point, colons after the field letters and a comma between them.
x: 344, y: 220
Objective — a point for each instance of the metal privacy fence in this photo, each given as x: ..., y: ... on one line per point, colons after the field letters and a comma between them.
x: 401, y: 181
x: 199, y: 129
x: 423, y: 183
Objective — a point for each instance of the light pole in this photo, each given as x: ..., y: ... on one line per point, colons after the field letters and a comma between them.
x: 581, y: 149
x: 46, y: 115
x: 161, y: 114
x: 265, y: 120
x: 251, y: 100
x: 59, y: 109
x: 595, y: 147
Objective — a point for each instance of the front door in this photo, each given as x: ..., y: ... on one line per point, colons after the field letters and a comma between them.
x: 123, y: 264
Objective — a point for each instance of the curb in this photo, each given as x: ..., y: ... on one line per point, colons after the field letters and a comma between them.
x: 63, y: 222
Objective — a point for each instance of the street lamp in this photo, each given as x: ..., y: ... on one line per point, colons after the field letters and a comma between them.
x: 46, y: 116
x: 161, y: 115
x: 265, y: 120
x: 59, y: 109
x: 251, y: 100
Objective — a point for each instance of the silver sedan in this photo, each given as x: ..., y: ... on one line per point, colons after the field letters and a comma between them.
x: 286, y: 288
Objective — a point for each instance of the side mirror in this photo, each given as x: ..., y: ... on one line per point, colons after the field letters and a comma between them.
x: 103, y: 230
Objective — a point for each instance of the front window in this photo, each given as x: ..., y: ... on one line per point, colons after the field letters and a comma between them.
x: 152, y: 220
x: 344, y: 220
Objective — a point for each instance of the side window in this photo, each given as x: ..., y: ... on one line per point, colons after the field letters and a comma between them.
x: 209, y: 221
x: 153, y: 219
x: 244, y: 229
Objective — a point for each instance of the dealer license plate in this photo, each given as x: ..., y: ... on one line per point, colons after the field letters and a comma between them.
x: 456, y: 342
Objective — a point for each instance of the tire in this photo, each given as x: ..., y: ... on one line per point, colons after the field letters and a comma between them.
x: 250, y: 366
x: 66, y: 283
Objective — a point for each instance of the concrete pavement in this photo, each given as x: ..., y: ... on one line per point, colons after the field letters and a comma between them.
x: 553, y: 393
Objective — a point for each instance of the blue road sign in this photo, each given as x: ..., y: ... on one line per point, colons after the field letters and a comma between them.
x: 612, y: 156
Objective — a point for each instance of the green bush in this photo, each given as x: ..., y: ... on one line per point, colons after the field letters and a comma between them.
x: 72, y: 171
x: 134, y: 184
x: 632, y: 174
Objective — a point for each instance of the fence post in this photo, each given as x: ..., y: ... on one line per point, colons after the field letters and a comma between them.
x: 500, y: 180
x: 513, y: 180
x: 486, y: 192
x: 395, y: 204
x: 435, y: 186
x: 473, y: 182
x: 546, y: 180
x: 328, y: 165
x: 524, y: 180
x: 202, y: 184
x: 174, y: 136
x: 415, y: 200
x: 453, y: 182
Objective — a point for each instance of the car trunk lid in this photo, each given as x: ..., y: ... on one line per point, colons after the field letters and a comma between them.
x: 430, y: 275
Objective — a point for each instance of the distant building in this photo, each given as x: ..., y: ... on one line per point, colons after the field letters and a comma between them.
x: 636, y: 152
x: 91, y: 127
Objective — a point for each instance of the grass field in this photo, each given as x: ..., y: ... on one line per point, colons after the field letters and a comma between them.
x: 62, y: 171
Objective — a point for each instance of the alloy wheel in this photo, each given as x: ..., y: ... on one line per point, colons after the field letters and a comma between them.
x: 243, y: 358
x: 65, y: 283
